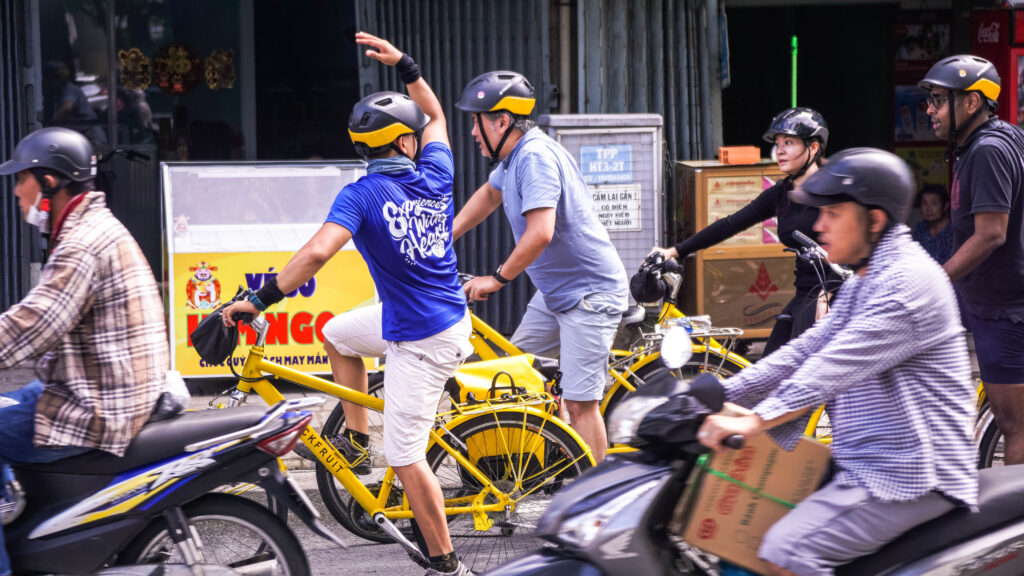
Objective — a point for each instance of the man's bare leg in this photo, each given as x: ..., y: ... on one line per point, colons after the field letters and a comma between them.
x: 1007, y: 402
x: 427, y: 503
x: 587, y: 421
x: 350, y: 372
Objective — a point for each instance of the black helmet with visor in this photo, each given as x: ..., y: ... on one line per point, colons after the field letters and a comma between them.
x: 873, y: 178
x: 804, y: 123
x: 66, y: 154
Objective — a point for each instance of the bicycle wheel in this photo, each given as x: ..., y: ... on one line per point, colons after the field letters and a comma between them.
x: 989, y: 438
x: 716, y: 364
x: 234, y: 532
x: 338, y: 501
x: 525, y: 456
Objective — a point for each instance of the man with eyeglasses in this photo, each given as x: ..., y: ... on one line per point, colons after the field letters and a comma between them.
x: 987, y: 266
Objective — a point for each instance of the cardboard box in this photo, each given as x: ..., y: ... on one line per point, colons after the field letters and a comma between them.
x: 729, y: 521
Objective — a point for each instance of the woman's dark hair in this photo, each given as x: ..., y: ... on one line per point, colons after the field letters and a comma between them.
x: 937, y: 189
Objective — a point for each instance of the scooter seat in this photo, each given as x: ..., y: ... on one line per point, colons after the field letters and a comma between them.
x: 1000, y: 501
x: 157, y: 441
x: 633, y: 315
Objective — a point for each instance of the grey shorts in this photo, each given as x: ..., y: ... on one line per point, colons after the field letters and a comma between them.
x: 837, y: 524
x: 583, y: 355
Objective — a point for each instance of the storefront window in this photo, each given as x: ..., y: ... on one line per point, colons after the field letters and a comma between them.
x: 76, y: 67
x: 176, y: 74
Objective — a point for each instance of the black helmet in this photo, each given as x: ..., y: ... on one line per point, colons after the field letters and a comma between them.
x: 965, y: 73
x: 379, y: 119
x: 497, y: 91
x: 800, y: 122
x: 868, y: 176
x: 64, y: 151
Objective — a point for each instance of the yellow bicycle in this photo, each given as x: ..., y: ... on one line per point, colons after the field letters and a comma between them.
x: 499, y: 460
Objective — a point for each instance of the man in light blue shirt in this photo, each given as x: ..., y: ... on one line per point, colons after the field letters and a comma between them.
x: 889, y: 360
x: 581, y: 283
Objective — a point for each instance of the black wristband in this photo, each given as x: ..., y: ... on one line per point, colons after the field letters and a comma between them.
x: 269, y: 293
x: 497, y: 276
x: 408, y: 69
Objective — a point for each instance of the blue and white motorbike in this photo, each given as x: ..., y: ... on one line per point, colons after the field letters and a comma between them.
x: 158, y: 509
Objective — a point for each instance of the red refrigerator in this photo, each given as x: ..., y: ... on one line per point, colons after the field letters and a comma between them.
x: 998, y: 36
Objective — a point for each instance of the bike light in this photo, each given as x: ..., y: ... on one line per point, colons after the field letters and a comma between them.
x: 625, y: 419
x: 581, y: 530
x: 280, y: 444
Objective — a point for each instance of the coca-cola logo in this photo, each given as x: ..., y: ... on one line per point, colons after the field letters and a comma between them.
x: 988, y: 33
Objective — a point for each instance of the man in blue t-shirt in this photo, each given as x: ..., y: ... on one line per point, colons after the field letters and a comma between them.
x: 400, y: 217
x: 560, y: 243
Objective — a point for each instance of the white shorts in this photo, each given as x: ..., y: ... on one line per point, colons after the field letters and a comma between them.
x: 414, y: 377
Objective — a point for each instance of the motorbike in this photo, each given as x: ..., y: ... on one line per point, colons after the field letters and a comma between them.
x: 615, y: 520
x: 157, y: 509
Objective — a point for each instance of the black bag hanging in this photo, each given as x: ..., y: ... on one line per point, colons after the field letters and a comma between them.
x: 212, y: 339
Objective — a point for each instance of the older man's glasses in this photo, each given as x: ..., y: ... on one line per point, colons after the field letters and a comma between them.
x: 937, y: 100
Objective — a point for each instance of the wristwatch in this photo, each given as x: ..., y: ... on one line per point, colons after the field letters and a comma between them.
x: 497, y: 276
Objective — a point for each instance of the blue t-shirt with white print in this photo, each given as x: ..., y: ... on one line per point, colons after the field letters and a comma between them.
x: 401, y: 223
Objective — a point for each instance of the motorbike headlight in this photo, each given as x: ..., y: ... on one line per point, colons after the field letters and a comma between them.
x: 625, y: 419
x: 581, y: 530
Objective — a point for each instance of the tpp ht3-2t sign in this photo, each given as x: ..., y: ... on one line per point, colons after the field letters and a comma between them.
x: 617, y: 205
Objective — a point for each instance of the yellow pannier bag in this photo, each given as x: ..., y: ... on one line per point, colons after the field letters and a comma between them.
x: 489, y: 379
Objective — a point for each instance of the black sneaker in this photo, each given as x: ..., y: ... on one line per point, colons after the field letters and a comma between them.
x: 356, y: 454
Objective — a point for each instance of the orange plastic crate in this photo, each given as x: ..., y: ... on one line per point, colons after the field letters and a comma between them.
x: 739, y: 154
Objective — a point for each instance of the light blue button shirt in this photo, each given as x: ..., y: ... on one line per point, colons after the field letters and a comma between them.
x: 890, y: 361
x: 580, y: 259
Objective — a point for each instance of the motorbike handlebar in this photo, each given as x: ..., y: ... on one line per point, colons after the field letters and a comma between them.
x: 735, y: 442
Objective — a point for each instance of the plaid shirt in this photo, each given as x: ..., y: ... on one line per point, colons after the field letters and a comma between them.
x: 890, y: 361
x: 97, y: 319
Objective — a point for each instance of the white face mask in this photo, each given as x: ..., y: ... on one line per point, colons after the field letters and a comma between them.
x: 39, y: 218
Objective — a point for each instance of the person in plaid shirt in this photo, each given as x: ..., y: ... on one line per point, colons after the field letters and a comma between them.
x: 890, y: 361
x: 95, y: 320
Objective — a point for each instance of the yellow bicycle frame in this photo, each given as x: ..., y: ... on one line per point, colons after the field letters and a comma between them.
x: 340, y: 468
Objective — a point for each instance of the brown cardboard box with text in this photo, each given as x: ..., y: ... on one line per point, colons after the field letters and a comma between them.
x: 728, y: 520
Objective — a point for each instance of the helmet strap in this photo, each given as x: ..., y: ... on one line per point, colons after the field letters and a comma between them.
x: 951, y: 143
x: 48, y: 192
x: 810, y: 160
x: 494, y: 152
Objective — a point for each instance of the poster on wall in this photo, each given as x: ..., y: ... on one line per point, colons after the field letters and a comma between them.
x: 921, y: 38
x: 927, y: 164
x: 204, y: 281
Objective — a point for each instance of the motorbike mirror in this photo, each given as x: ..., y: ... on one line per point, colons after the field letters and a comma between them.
x: 676, y: 348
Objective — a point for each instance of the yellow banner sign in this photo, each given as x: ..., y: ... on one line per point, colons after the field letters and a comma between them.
x: 202, y: 282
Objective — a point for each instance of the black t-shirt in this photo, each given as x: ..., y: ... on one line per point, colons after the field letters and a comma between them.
x: 988, y: 176
x: 773, y: 202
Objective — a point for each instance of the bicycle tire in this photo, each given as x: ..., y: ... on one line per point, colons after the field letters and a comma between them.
x: 526, y: 455
x: 722, y: 366
x: 991, y: 450
x: 342, y: 506
x: 213, y: 518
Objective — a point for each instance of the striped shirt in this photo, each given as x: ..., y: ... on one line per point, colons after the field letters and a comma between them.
x: 890, y: 361
x: 97, y: 320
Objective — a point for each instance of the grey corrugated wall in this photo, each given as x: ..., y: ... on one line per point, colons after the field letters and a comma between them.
x: 453, y: 41
x: 653, y: 56
x: 632, y: 56
x: 14, y: 245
